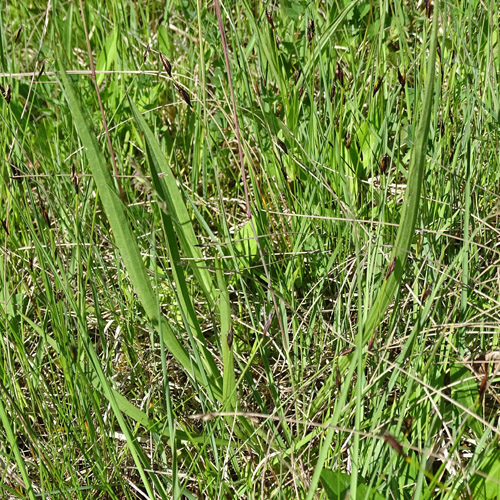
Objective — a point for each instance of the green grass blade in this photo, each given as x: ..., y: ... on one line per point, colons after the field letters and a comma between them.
x: 171, y: 195
x: 124, y: 238
x: 12, y: 441
x: 412, y: 197
x: 177, y: 223
x: 229, y: 381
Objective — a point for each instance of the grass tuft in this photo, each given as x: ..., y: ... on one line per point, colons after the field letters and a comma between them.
x: 249, y: 250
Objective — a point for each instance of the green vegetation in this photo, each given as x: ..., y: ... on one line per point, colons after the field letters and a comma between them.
x: 250, y: 250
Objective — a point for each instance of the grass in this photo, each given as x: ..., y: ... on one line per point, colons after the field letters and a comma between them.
x: 249, y: 250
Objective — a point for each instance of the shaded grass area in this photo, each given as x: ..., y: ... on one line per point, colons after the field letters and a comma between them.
x: 189, y: 312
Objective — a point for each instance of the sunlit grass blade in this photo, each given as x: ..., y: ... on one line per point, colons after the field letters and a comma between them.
x: 392, y: 278
x: 125, y: 239
x: 177, y: 224
x: 169, y: 193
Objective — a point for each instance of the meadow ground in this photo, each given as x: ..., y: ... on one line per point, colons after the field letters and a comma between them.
x: 249, y: 250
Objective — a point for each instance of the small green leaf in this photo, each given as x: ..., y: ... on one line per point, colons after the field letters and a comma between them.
x: 465, y: 391
x: 294, y: 9
x: 107, y: 56
x: 245, y: 244
x: 337, y: 485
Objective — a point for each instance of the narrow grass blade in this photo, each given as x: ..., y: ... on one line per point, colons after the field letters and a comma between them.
x: 229, y: 381
x: 12, y: 442
x: 412, y: 198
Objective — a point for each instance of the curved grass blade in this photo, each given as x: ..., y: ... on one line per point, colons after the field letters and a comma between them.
x: 125, y: 239
x: 177, y: 224
x: 169, y: 193
x: 403, y: 239
x: 406, y: 228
